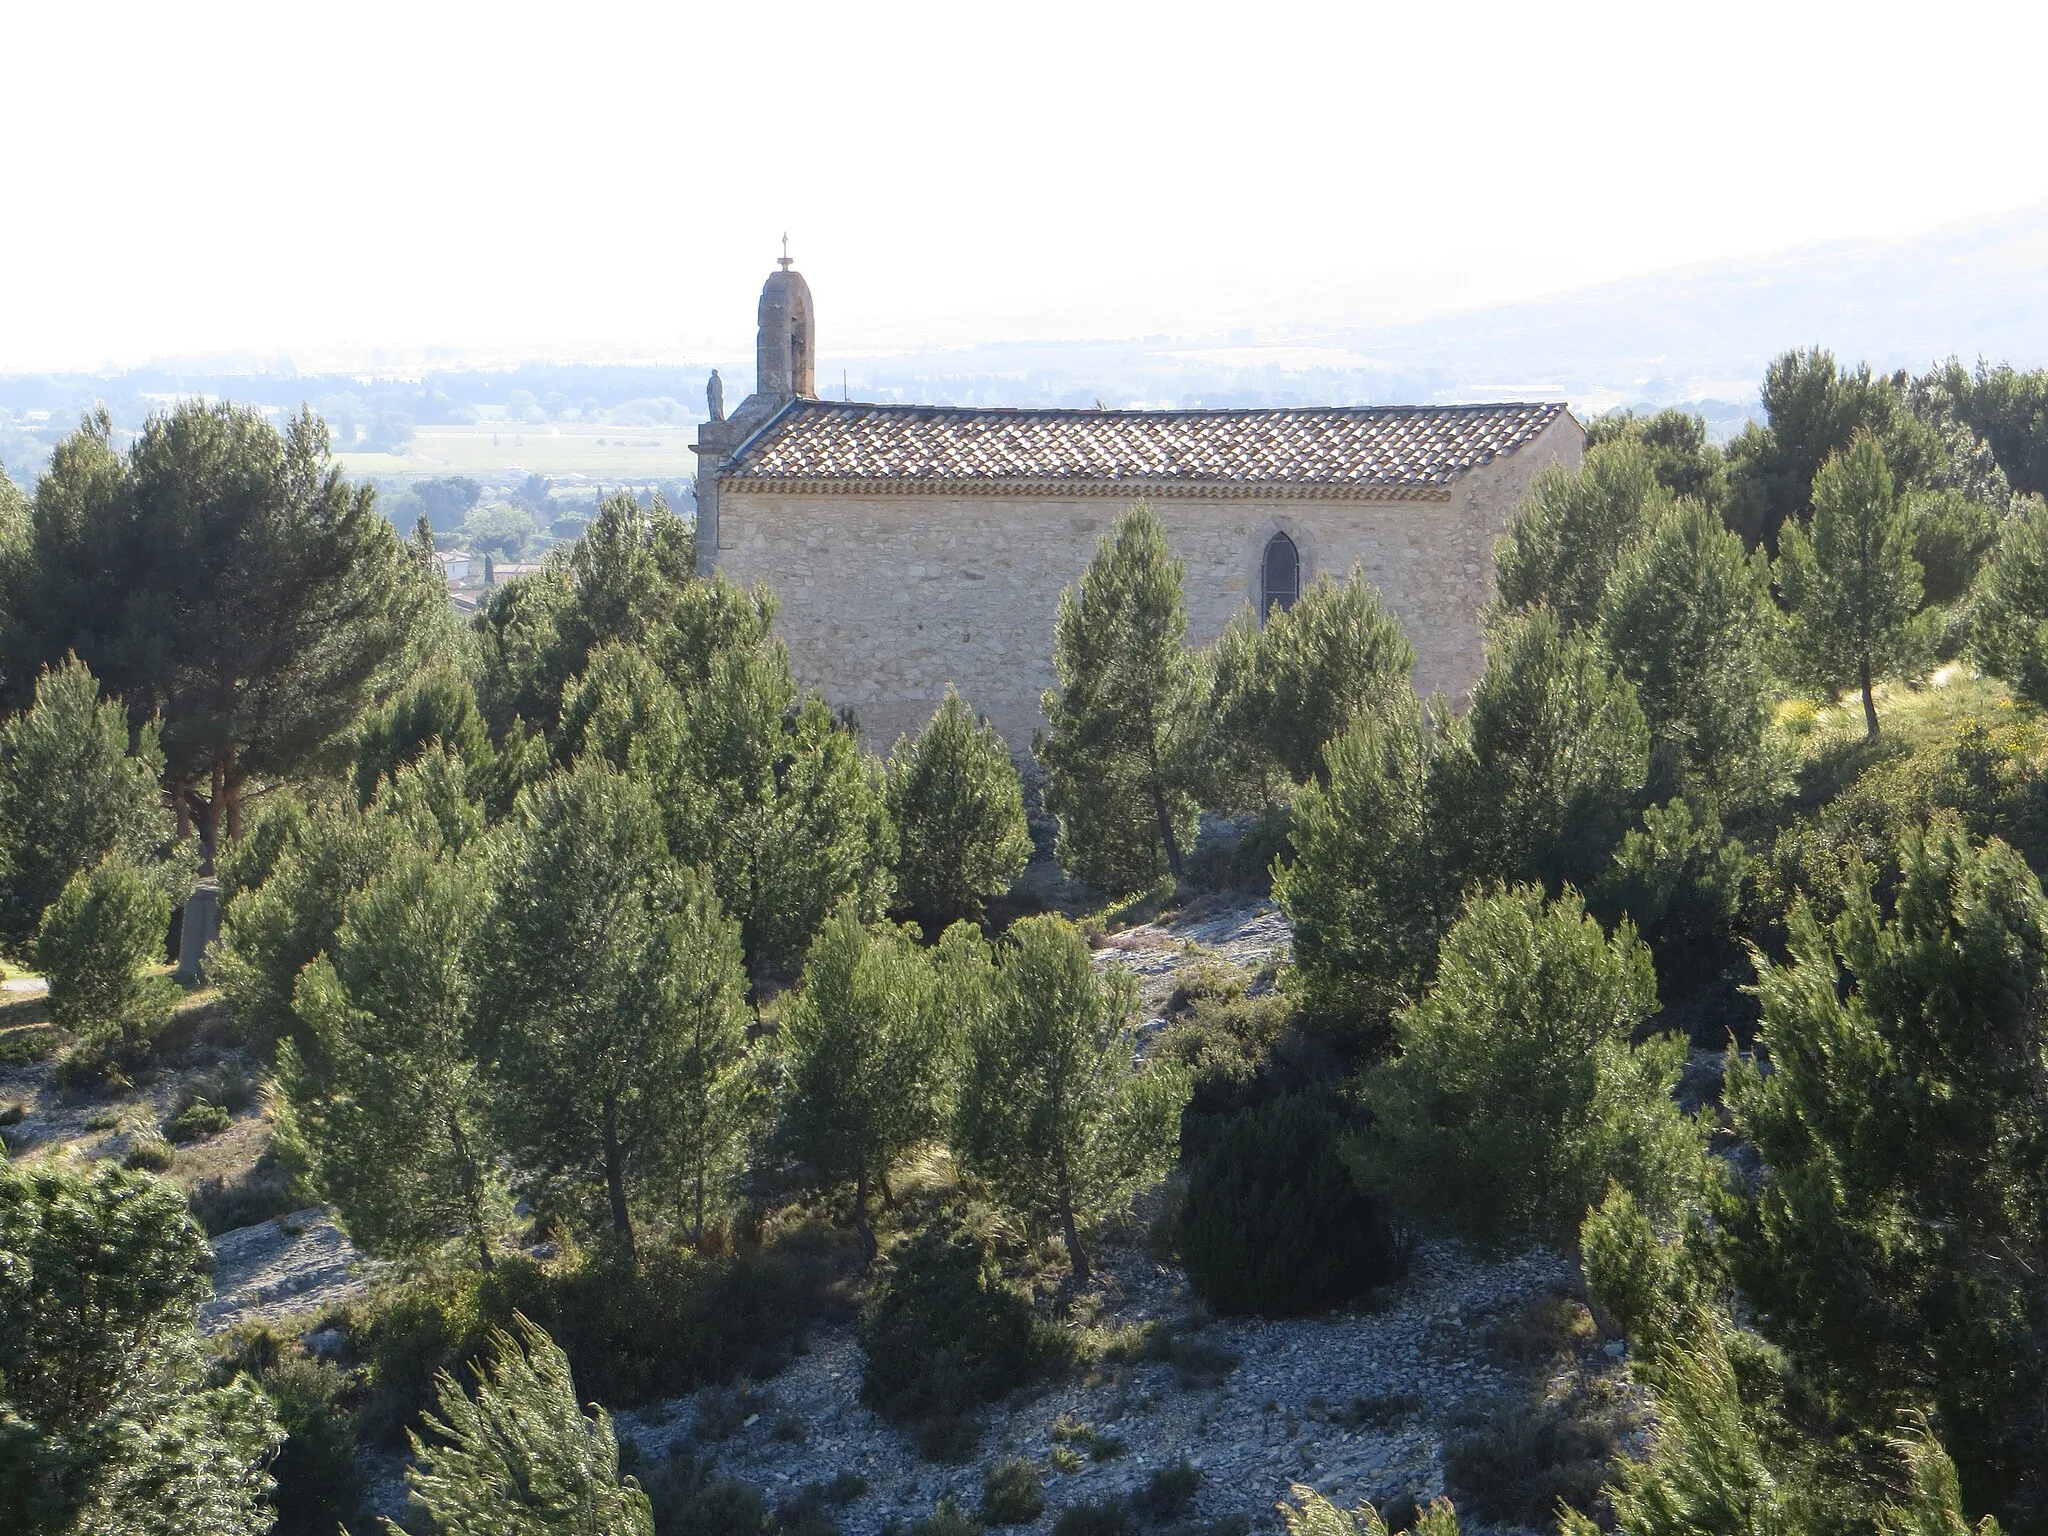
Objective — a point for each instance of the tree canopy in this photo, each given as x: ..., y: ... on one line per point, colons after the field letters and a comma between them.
x: 220, y: 575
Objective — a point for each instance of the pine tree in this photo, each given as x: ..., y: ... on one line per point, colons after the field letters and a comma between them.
x: 768, y: 790
x: 1291, y: 688
x: 2011, y: 635
x: 715, y: 1101
x: 385, y: 1108
x: 72, y: 791
x: 272, y: 931
x: 110, y: 1425
x: 958, y: 807
x: 592, y: 975
x: 1121, y: 722
x: 1899, y: 1248
x: 619, y: 583
x: 438, y: 711
x: 97, y: 944
x: 1365, y: 891
x: 222, y: 575
x: 1565, y: 538
x: 1684, y: 619
x: 521, y: 1457
x: 1541, y: 777
x: 1851, y: 581
x: 868, y: 1061
x: 1054, y: 1115
x: 1518, y: 1095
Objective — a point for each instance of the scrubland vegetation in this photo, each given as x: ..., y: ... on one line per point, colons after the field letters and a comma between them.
x: 601, y: 984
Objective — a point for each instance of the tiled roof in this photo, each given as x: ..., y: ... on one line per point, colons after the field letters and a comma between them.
x: 1322, y: 449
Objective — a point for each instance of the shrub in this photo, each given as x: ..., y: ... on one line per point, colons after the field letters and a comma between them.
x: 1274, y: 1223
x: 1010, y: 1493
x: 1518, y: 1095
x: 318, y: 1481
x: 1168, y: 1492
x: 96, y: 945
x: 671, y: 1323
x: 1239, y: 1051
x: 26, y: 1046
x: 151, y: 1154
x: 1524, y: 1455
x: 958, y: 806
x: 196, y: 1120
x: 804, y: 1513
x: 221, y: 1204
x: 1106, y: 1517
x: 946, y: 1519
x: 688, y: 1501
x: 943, y: 1335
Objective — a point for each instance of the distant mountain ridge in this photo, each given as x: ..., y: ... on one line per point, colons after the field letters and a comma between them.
x: 1698, y: 334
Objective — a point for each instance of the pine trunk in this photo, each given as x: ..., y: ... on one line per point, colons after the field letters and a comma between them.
x: 860, y: 1217
x: 615, y: 1175
x: 1077, y: 1256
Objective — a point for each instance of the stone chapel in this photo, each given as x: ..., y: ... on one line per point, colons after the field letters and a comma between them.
x: 915, y: 546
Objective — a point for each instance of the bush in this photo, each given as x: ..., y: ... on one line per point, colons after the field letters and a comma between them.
x: 26, y: 1046
x: 1518, y: 1095
x: 151, y: 1154
x: 1010, y: 1493
x: 688, y: 1501
x: 318, y: 1481
x: 946, y: 1519
x: 96, y: 945
x: 671, y: 1323
x: 1168, y: 1492
x: 1525, y: 1455
x: 943, y: 1335
x: 1107, y: 1517
x: 1274, y: 1223
x: 221, y: 1204
x: 196, y: 1120
x: 1239, y: 1051
x: 958, y: 806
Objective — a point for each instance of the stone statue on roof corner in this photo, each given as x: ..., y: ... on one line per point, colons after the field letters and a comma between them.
x: 714, y: 396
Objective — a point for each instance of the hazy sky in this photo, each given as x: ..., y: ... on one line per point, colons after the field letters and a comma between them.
x: 325, y: 181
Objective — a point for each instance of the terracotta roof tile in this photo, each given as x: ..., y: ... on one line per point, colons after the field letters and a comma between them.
x: 1367, y: 447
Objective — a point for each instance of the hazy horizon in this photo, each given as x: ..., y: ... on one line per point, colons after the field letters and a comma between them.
x: 453, y: 184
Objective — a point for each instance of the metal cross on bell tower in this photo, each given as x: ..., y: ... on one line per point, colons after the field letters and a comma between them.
x: 783, y: 261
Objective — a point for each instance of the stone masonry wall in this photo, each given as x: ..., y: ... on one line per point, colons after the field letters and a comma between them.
x: 887, y: 599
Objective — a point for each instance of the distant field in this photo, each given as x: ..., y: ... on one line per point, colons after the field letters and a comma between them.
x: 492, y: 452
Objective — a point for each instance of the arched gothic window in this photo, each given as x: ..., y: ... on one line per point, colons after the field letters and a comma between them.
x: 1279, y: 575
